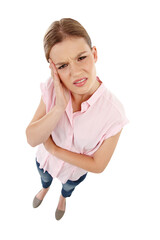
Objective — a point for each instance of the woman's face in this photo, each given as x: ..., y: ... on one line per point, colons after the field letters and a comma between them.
x: 75, y: 60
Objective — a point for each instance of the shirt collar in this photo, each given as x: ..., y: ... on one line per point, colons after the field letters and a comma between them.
x: 96, y: 94
x: 86, y: 104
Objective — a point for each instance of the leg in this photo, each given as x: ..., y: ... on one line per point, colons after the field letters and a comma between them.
x: 67, y: 190
x: 46, y: 180
x: 69, y: 186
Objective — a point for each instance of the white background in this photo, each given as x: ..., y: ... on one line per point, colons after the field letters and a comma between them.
x: 123, y: 202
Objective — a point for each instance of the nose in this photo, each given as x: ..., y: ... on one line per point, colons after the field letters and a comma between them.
x: 75, y: 69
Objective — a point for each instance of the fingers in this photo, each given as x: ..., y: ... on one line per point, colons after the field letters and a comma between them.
x: 52, y: 67
x: 54, y: 72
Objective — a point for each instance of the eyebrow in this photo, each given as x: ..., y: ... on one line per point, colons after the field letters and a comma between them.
x: 79, y: 54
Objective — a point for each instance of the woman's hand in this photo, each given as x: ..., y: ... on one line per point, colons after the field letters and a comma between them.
x: 62, y: 93
x: 50, y: 145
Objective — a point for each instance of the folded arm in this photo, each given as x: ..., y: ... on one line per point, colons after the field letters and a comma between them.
x: 95, y: 164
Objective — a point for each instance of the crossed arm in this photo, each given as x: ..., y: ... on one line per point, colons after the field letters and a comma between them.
x: 95, y: 164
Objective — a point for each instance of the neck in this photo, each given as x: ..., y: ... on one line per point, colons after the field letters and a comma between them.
x: 79, y: 98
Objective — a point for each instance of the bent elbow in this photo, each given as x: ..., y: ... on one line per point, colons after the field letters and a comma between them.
x: 31, y: 143
x: 29, y: 139
x: 101, y: 166
x: 100, y: 170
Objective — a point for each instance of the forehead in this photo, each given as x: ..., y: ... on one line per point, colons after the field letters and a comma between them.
x: 68, y: 48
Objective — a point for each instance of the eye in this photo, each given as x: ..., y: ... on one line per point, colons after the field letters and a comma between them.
x: 81, y: 58
x: 63, y: 66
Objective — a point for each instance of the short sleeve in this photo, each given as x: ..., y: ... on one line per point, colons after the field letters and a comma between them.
x: 43, y: 92
x: 48, y: 94
x: 117, y: 118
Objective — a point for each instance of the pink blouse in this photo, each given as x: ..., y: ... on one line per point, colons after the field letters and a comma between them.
x: 83, y: 132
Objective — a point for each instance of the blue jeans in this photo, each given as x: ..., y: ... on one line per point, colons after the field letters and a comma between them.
x: 67, y: 188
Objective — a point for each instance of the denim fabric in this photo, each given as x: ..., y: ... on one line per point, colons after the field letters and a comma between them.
x: 67, y: 188
x: 46, y: 178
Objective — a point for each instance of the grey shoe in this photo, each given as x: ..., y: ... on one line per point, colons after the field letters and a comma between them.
x: 36, y: 202
x: 59, y: 213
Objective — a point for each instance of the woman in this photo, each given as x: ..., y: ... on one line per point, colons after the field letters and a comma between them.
x: 78, y: 121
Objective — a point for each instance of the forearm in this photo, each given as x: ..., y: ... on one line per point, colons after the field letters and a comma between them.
x: 80, y: 160
x: 39, y: 131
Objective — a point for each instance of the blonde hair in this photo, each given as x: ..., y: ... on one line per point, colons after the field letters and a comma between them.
x: 59, y: 30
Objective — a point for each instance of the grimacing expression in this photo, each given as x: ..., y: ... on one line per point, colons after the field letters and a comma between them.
x: 74, y: 59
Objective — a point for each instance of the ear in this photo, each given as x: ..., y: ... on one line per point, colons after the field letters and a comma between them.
x: 94, y: 52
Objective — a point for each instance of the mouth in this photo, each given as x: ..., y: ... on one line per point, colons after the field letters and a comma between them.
x: 80, y: 82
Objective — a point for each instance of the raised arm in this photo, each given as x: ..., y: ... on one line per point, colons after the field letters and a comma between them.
x: 42, y: 124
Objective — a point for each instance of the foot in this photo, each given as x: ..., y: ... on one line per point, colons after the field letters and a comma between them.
x: 62, y: 203
x: 60, y: 211
x: 40, y: 195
